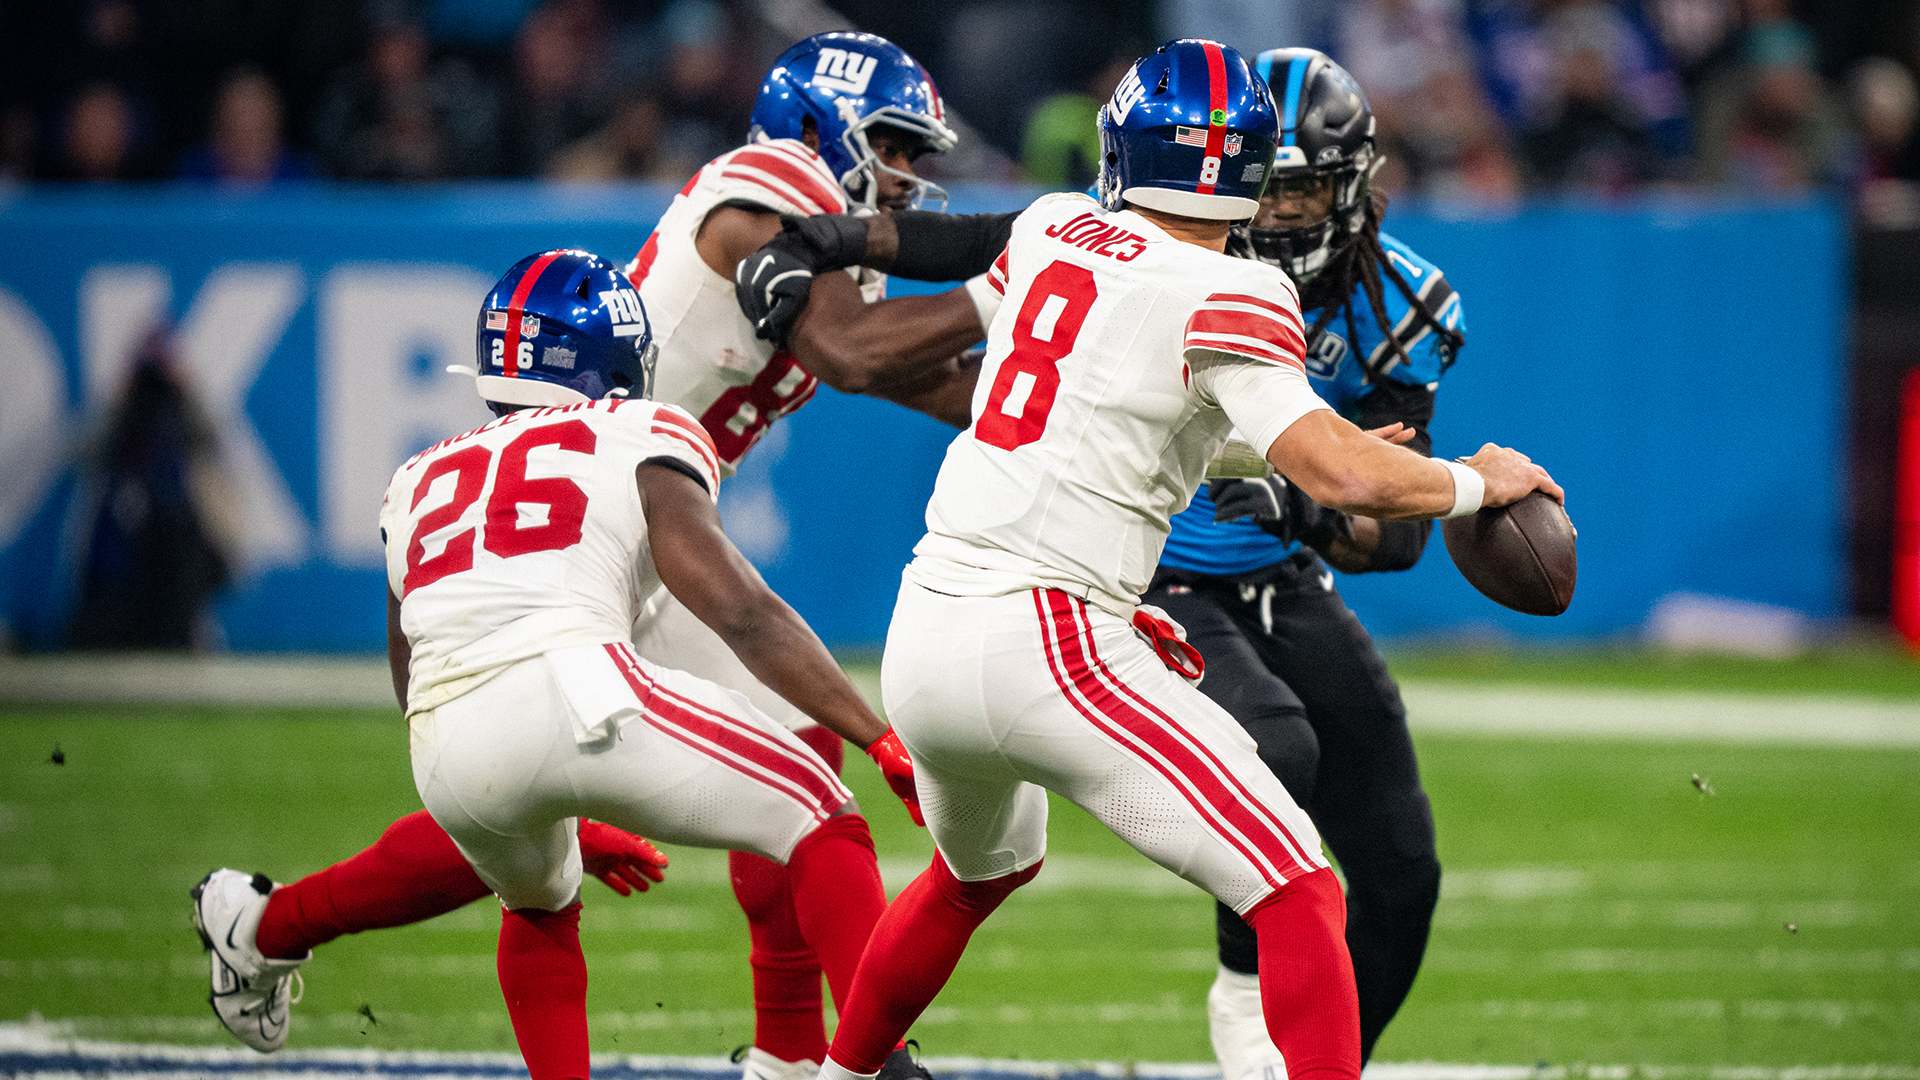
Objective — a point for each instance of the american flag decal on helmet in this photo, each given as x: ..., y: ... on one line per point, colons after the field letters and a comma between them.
x: 1187, y: 136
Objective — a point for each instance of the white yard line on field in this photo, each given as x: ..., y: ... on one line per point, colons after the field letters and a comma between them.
x: 1662, y: 715
x: 1440, y: 708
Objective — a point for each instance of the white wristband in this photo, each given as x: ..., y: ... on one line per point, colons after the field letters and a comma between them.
x: 1469, y: 489
x: 985, y: 301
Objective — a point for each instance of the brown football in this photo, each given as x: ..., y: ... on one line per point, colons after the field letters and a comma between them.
x: 1521, y: 556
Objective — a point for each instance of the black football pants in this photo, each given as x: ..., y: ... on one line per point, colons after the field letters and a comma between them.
x: 1295, y: 667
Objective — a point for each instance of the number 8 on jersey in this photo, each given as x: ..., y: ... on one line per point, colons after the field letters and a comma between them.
x: 1022, y: 392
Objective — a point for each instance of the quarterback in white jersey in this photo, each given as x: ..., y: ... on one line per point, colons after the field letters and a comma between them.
x: 518, y: 555
x: 1018, y: 660
x: 1070, y: 482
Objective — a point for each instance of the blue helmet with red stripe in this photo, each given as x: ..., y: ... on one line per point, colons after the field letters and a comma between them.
x: 849, y: 83
x: 1190, y: 131
x: 560, y: 328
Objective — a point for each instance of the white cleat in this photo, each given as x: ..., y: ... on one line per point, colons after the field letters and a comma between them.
x: 761, y: 1065
x: 1238, y: 1027
x: 251, y: 993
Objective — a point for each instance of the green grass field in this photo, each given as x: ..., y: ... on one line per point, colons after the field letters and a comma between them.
x: 1596, y: 907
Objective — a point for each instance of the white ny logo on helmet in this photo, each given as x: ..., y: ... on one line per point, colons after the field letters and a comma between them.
x: 847, y: 72
x: 1125, y: 96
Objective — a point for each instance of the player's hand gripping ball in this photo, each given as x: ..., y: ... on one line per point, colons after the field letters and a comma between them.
x: 1521, y: 556
x: 627, y: 863
x: 897, y: 766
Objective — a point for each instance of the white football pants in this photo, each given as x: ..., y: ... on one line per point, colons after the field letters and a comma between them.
x: 504, y: 770
x: 999, y: 697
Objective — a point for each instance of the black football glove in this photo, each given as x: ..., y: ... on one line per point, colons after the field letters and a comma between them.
x: 1280, y: 509
x: 772, y: 288
x: 773, y: 284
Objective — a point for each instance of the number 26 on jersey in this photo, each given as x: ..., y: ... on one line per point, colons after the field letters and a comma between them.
x: 506, y: 531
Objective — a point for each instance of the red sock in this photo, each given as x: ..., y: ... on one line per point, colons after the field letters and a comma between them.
x: 413, y: 872
x: 837, y: 897
x: 787, y: 1022
x: 1306, y: 978
x: 910, y: 957
x: 543, y: 976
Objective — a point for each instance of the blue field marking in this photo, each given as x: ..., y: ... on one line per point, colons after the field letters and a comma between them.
x: 38, y: 1050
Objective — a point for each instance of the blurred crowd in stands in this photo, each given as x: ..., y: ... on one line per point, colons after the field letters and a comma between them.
x: 1478, y: 101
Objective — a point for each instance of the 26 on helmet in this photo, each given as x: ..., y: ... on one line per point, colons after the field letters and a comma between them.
x: 849, y: 84
x: 1326, y: 138
x: 563, y: 327
x: 1189, y: 131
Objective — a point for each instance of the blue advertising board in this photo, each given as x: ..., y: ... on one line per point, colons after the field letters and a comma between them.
x: 1678, y: 367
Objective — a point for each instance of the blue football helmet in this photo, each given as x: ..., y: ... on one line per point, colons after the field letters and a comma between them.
x: 560, y: 328
x: 849, y: 83
x: 1191, y: 131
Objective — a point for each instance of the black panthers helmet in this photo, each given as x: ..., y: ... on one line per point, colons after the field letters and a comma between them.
x: 1326, y: 130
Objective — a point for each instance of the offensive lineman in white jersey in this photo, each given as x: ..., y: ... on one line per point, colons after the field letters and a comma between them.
x: 839, y: 121
x: 1129, y: 345
x: 518, y: 556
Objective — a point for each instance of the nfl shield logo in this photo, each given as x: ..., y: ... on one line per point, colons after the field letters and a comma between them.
x: 1233, y: 145
x: 530, y: 325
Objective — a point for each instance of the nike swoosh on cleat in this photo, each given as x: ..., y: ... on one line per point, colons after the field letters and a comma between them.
x: 231, y: 944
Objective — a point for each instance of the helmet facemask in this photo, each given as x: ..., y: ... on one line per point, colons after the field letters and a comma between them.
x: 860, y: 183
x: 1303, y: 251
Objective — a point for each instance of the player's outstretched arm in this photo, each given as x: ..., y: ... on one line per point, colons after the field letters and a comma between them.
x: 904, y: 349
x: 1340, y: 466
x: 1349, y: 543
x: 704, y: 571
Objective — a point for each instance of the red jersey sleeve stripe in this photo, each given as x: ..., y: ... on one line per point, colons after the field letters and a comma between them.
x: 666, y: 423
x: 761, y: 165
x: 1253, y: 301
x: 781, y: 194
x: 800, y: 156
x: 1252, y: 350
x: 1273, y: 333
x: 1252, y: 316
x: 1245, y: 324
x: 685, y: 423
x: 708, y: 470
x: 643, y: 262
x: 997, y: 273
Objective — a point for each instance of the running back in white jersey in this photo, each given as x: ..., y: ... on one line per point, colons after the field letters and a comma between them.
x: 711, y: 364
x: 1090, y: 427
x: 527, y: 535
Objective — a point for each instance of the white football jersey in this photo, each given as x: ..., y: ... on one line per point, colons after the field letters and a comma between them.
x: 527, y: 535
x: 710, y: 362
x: 1091, y: 428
